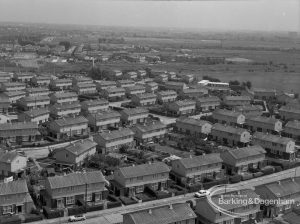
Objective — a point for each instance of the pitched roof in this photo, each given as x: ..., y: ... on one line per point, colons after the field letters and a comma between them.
x: 18, y: 125
x: 192, y: 121
x: 85, y: 85
x: 104, y: 115
x: 13, y: 187
x: 66, y: 106
x: 293, y: 124
x: 285, y: 187
x: 36, y: 112
x: 246, y: 152
x: 34, y: 98
x: 150, y: 127
x: 175, y: 84
x: 237, y: 98
x: 14, y: 93
x: 133, y: 111
x: 263, y: 90
x: 116, y: 134
x: 228, y: 113
x: 164, y: 214
x: 70, y: 121
x: 183, y: 103
x: 208, y: 99
x: 8, y: 157
x: 76, y: 179
x: 114, y: 90
x: 145, y: 95
x: 37, y: 89
x: 136, y: 87
x: 228, y: 129
x: 125, y: 81
x: 201, y: 160
x: 144, y: 169
x: 81, y: 146
x: 292, y: 109
x: 167, y: 93
x: 261, y: 119
x: 64, y: 94
x: 95, y: 102
x: 271, y: 138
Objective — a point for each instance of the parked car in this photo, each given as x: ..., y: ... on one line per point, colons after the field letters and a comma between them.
x: 202, y: 193
x: 75, y: 218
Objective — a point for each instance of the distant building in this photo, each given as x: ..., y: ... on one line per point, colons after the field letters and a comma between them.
x: 144, y: 133
x: 12, y: 163
x: 276, y: 146
x: 105, y: 85
x: 43, y: 80
x: 191, y: 171
x: 168, y: 214
x: 208, y: 103
x: 125, y: 83
x: 161, y: 78
x: 176, y: 86
x: 39, y: 91
x: 75, y: 154
x: 65, y: 191
x: 241, y: 160
x: 132, y: 180
x: 264, y: 124
x: 112, y: 141
x: 130, y: 75
x: 232, y: 101
x: 114, y: 93
x: 131, y: 116
x: 145, y: 99
x: 94, y: 106
x: 184, y: 107
x: 193, y: 127
x: 15, y: 198
x: 292, y: 130
x: 65, y: 110
x: 85, y: 88
x: 81, y: 80
x: 193, y: 93
x: 5, y: 103
x: 14, y: 96
x: 166, y: 96
x: 229, y: 135
x: 289, y: 113
x: 103, y: 120
x: 228, y: 117
x: 36, y: 115
x: 33, y: 102
x: 12, y: 86
x: 60, y: 84
x: 215, y: 86
x: 249, y: 110
x: 151, y: 87
x: 23, y: 77
x: 68, y: 127
x: 63, y: 97
x: 264, y: 94
x: 132, y: 90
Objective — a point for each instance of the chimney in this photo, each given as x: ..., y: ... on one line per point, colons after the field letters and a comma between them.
x: 170, y: 206
x: 81, y: 140
x: 279, y: 183
x: 293, y: 179
x: 150, y: 211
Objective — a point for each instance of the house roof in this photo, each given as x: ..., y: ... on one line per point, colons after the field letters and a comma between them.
x: 284, y: 187
x: 228, y: 129
x: 144, y: 169
x: 85, y: 85
x: 192, y: 121
x: 246, y: 152
x: 95, y: 102
x: 150, y: 127
x: 18, y: 125
x: 136, y: 87
x: 14, y: 93
x: 125, y: 81
x: 237, y: 98
x: 175, y: 84
x: 8, y: 157
x: 201, y: 160
x: 291, y: 109
x: 164, y: 214
x: 104, y: 83
x: 116, y: 134
x: 145, y: 95
x: 271, y: 138
x: 227, y: 113
x: 81, y: 146
x: 167, y: 93
x: 13, y: 187
x: 293, y: 124
x: 133, y: 111
x: 152, y: 84
x: 64, y: 94
x: 62, y: 81
x: 76, y: 179
x: 104, y: 115
x: 208, y: 99
x: 114, y: 90
x: 260, y: 119
x: 36, y: 112
x: 192, y: 90
x: 70, y: 121
x: 34, y: 98
x: 183, y: 103
x: 13, y: 84
x: 37, y: 89
x: 248, y: 108
x: 66, y: 106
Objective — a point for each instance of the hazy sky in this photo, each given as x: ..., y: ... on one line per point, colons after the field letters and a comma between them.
x: 270, y: 15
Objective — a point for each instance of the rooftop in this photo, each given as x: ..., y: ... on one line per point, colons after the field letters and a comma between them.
x: 126, y: 132
x: 133, y: 111
x: 208, y: 99
x: 36, y: 112
x: 272, y: 138
x: 64, y: 94
x: 228, y: 113
x: 192, y: 121
x: 104, y: 115
x: 70, y: 121
x: 150, y: 126
x: 34, y: 98
x: 228, y: 129
x: 201, y: 160
x: 183, y: 103
x: 80, y: 146
x: 167, y: 93
x: 260, y: 119
x: 95, y: 102
x: 246, y: 152
x: 293, y: 124
x: 8, y: 157
x: 237, y: 98
x: 13, y: 187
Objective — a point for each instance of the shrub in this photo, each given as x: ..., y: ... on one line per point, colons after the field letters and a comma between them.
x: 235, y: 179
x: 52, y: 213
x: 114, y: 204
x: 127, y: 201
x: 10, y: 220
x: 76, y: 210
x: 91, y: 208
x: 32, y: 218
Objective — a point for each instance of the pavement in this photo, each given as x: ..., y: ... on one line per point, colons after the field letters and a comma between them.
x: 114, y: 215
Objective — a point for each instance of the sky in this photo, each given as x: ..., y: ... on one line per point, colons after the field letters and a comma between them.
x: 266, y: 15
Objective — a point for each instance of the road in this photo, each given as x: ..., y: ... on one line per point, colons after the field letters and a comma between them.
x: 114, y: 216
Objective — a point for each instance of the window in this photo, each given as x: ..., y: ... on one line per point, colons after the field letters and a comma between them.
x: 88, y: 197
x: 139, y: 189
x: 98, y: 196
x: 7, y: 209
x: 70, y: 200
x: 139, y: 178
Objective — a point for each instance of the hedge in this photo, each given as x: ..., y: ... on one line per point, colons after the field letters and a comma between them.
x: 92, y: 208
x: 127, y: 201
x: 235, y: 179
x: 76, y: 210
x: 114, y: 204
x: 10, y: 220
x: 32, y: 218
x: 52, y: 213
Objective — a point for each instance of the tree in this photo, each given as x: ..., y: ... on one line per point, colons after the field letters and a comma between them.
x: 249, y: 84
x: 66, y: 44
x: 124, y: 149
x: 234, y: 83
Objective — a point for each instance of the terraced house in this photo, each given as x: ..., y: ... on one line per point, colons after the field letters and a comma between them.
x: 105, y: 85
x: 250, y: 110
x: 125, y: 83
x: 112, y: 141
x: 208, y: 214
x: 12, y: 163
x: 144, y: 99
x: 81, y: 80
x: 65, y: 110
x: 239, y: 161
x: 208, y: 103
x: 132, y: 90
x: 264, y: 94
x: 63, y: 97
x: 23, y: 77
x: 229, y: 135
x: 74, y: 154
x: 151, y: 87
x: 289, y: 112
x: 103, y: 120
x: 65, y: 191
x: 38, y: 91
x: 192, y: 126
x: 66, y: 127
x: 264, y: 124
x: 176, y: 86
x: 132, y: 180
x: 144, y: 133
x: 60, y: 84
x: 192, y: 93
x: 169, y: 214
x: 85, y: 88
x: 228, y: 117
x: 181, y: 107
x: 276, y: 146
x: 42, y: 80
x: 94, y: 106
x: 130, y: 116
x: 19, y: 132
x: 166, y: 96
x: 191, y: 171
x: 292, y: 130
x: 232, y: 101
x: 15, y: 198
x: 113, y: 93
x: 12, y: 86
x: 33, y: 102
x: 36, y: 115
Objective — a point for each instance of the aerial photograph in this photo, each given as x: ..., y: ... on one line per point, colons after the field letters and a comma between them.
x: 150, y: 112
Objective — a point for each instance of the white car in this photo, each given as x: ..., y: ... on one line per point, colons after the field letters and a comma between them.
x: 201, y: 193
x: 75, y: 218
